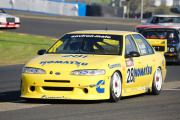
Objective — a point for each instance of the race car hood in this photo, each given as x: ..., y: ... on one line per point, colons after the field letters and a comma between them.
x: 6, y: 15
x: 71, y: 62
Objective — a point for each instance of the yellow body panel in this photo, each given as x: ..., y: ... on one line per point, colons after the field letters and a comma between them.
x: 159, y: 42
x: 58, y: 83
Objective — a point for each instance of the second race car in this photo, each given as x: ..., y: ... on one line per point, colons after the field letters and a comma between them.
x: 171, y: 35
x: 8, y: 21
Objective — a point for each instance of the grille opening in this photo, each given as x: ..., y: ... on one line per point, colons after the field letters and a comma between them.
x: 61, y: 81
x: 58, y: 88
x: 159, y: 48
x: 32, y: 88
x: 10, y: 19
x: 85, y: 90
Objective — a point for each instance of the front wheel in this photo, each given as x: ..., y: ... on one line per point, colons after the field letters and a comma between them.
x: 115, y: 87
x: 157, y: 82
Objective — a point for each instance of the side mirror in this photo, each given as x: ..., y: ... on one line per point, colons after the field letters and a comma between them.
x: 41, y: 52
x: 133, y: 54
x: 143, y: 22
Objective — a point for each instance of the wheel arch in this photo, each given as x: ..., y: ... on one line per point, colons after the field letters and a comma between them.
x: 119, y: 74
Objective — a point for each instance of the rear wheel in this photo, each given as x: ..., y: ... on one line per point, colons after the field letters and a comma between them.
x: 157, y: 82
x: 115, y: 87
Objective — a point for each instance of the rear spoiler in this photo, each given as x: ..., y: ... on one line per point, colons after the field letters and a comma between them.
x: 159, y: 45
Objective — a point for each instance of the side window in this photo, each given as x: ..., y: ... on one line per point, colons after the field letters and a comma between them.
x: 154, y: 20
x: 130, y: 45
x: 144, y: 47
x: 149, y: 20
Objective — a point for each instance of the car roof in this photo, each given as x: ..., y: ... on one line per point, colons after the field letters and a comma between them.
x: 160, y: 28
x: 143, y: 26
x: 110, y: 32
x: 165, y: 16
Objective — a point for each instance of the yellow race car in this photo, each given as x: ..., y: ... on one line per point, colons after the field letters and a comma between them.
x: 94, y: 65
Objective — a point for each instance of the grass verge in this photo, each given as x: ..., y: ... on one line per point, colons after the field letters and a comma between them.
x: 20, y: 48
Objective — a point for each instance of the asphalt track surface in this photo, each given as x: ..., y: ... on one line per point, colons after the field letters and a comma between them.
x: 165, y: 106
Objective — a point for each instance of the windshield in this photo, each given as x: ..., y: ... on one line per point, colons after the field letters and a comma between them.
x: 88, y: 44
x: 2, y: 11
x: 169, y: 34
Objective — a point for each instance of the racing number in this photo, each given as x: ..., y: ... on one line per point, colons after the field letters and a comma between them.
x: 130, y: 75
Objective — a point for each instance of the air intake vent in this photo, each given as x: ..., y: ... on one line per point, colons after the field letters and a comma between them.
x: 56, y: 81
x: 58, y: 88
x: 159, y: 48
x: 10, y: 19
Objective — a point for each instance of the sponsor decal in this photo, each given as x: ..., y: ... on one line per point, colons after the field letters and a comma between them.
x: 57, y: 73
x: 130, y: 75
x: 92, y: 36
x: 51, y: 97
x: 129, y: 63
x: 75, y: 56
x: 143, y: 71
x: 114, y: 65
x: 34, y: 70
x: 63, y: 62
x: 98, y: 87
x: 83, y: 72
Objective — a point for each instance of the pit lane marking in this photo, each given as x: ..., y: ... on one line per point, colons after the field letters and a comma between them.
x: 78, y: 20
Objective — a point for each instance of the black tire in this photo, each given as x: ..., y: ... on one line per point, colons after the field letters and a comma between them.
x: 157, y: 82
x: 115, y: 87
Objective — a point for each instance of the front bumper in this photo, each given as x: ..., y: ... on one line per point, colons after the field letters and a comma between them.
x: 10, y: 25
x: 65, y: 87
x: 172, y: 57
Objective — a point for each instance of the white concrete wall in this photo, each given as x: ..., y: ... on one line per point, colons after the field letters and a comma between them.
x: 176, y: 2
x: 21, y: 4
x: 167, y: 2
x: 6, y: 4
x: 157, y: 2
x: 37, y: 5
x: 43, y: 6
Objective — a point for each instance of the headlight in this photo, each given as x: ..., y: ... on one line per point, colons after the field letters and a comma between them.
x: 88, y: 72
x: 17, y: 20
x: 2, y: 19
x: 33, y: 70
x: 172, y: 49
